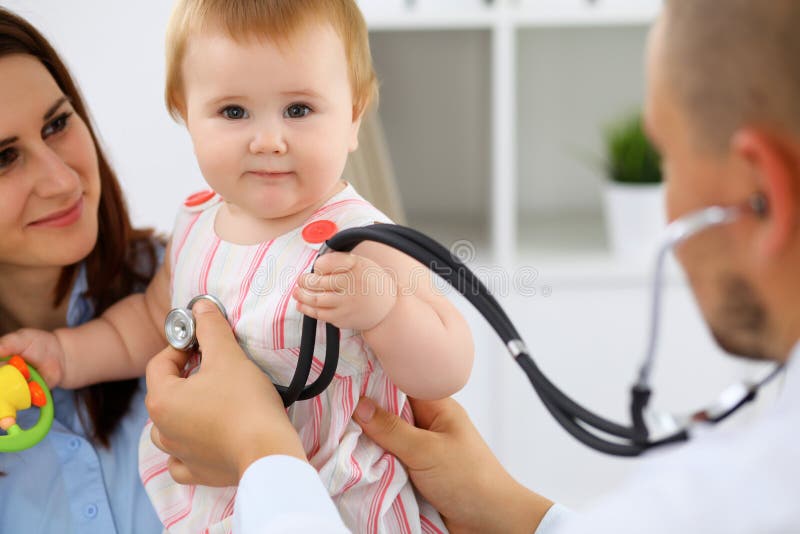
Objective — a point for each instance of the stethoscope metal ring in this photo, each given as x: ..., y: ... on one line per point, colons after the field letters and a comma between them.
x: 179, y: 326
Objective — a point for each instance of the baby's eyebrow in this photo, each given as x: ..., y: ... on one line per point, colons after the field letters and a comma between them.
x: 303, y: 92
x: 223, y: 98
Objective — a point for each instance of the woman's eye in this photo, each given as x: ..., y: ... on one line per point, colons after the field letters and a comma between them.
x: 7, y: 157
x: 56, y: 125
x: 234, y: 112
x: 296, y: 111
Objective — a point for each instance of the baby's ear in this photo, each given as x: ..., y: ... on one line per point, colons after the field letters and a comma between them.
x: 358, y: 115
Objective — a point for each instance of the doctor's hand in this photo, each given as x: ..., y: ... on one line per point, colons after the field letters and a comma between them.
x: 453, y: 468
x: 219, y: 420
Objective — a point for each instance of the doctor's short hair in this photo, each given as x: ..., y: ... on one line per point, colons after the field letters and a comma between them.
x: 732, y: 63
x: 277, y: 21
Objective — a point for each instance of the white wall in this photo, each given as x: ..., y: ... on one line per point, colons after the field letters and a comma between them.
x: 115, y: 51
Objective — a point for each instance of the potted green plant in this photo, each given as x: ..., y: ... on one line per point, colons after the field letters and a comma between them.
x: 634, y: 206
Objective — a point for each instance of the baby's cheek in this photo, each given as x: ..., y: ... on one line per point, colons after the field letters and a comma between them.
x: 215, y: 164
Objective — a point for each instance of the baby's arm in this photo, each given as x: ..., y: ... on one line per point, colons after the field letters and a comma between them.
x: 115, y: 346
x: 420, y: 338
x: 118, y: 344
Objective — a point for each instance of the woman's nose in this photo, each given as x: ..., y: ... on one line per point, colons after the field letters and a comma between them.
x: 268, y: 139
x: 54, y: 176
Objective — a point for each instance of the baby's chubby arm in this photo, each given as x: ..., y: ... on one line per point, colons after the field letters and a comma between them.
x: 115, y: 346
x: 420, y: 338
x: 118, y: 344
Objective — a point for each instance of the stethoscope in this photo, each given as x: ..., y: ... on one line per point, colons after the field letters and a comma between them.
x: 647, y: 430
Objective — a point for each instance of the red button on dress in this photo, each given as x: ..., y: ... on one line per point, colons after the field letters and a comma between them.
x: 201, y: 197
x: 319, y: 231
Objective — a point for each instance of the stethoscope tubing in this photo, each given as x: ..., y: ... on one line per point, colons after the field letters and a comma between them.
x: 591, y: 429
x: 437, y: 258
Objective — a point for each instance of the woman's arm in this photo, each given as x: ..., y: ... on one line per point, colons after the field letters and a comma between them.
x: 420, y: 338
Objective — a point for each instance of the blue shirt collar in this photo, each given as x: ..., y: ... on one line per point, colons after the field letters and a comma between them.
x: 80, y: 309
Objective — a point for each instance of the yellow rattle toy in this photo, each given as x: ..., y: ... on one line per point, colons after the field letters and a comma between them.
x: 20, y: 388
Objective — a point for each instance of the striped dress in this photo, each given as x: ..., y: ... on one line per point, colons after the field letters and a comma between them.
x: 369, y: 486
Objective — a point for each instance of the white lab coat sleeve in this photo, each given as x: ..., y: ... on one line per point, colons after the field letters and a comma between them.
x: 554, y: 519
x: 284, y: 494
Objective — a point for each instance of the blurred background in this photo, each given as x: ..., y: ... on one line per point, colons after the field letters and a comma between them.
x: 507, y: 130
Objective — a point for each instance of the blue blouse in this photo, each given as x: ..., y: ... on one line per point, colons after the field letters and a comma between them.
x: 67, y: 485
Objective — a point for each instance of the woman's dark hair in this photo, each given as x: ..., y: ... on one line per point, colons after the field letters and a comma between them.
x: 123, y: 258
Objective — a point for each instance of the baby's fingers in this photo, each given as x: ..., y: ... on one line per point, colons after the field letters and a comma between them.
x: 14, y: 343
x: 335, y: 262
x: 316, y: 299
x: 38, y: 348
x: 342, y: 283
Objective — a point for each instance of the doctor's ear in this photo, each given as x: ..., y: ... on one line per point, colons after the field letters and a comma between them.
x: 774, y: 165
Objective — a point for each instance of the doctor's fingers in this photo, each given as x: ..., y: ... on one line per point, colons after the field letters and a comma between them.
x: 417, y: 449
x: 180, y: 470
x: 163, y: 443
x: 215, y: 336
x: 163, y: 379
x: 164, y: 369
x: 196, y: 473
x: 443, y: 415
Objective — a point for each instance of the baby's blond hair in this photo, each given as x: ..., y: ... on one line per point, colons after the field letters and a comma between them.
x: 277, y: 21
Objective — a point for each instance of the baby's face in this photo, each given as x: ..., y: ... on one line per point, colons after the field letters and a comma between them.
x: 271, y: 125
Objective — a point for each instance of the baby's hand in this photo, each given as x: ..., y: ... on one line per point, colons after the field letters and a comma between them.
x: 346, y: 290
x: 38, y: 348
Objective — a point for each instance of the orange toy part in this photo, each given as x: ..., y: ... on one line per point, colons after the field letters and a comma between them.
x: 38, y: 397
x: 19, y: 363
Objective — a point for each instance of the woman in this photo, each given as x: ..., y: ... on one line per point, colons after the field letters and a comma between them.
x: 67, y: 252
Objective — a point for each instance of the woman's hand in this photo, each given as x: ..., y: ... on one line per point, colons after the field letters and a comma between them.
x: 453, y: 468
x: 218, y: 421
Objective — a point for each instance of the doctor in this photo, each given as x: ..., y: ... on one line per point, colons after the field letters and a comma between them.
x: 723, y: 108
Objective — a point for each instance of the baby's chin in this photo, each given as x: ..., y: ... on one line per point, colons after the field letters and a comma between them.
x: 283, y: 211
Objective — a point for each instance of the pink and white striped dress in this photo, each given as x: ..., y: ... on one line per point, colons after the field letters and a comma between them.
x: 369, y: 486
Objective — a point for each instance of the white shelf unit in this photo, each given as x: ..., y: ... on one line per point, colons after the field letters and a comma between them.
x: 468, y: 74
x: 470, y: 14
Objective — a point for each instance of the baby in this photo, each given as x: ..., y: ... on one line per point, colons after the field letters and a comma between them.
x: 272, y: 93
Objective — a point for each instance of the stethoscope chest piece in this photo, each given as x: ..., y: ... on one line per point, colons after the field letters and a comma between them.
x: 179, y: 326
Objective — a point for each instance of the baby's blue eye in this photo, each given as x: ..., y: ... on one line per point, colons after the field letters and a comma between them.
x: 297, y: 111
x: 234, y: 112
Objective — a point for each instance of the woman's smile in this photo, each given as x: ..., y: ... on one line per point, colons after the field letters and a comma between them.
x: 61, y: 218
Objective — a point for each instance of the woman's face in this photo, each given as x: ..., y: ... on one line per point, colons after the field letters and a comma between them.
x: 49, y: 176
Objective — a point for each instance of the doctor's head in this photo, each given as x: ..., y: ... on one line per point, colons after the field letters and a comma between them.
x: 723, y: 108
